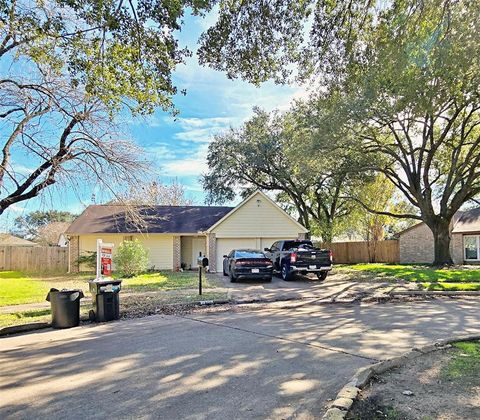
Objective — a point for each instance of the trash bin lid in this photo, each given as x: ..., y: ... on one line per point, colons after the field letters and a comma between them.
x: 71, y: 294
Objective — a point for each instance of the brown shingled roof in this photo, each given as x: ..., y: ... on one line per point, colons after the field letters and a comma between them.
x: 157, y: 219
x: 469, y: 221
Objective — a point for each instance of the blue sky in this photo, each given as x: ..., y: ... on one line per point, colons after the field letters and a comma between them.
x: 178, y: 146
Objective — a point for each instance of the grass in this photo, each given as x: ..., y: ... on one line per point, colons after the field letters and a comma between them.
x: 452, y: 287
x: 30, y: 316
x: 465, y: 362
x: 18, y: 288
x: 430, y: 278
x: 163, y: 281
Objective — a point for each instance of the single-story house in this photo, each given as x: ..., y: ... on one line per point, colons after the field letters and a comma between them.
x: 416, y: 242
x: 175, y: 235
x: 6, y: 239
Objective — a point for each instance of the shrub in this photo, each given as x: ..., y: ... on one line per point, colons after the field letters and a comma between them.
x: 131, y: 258
x: 88, y: 258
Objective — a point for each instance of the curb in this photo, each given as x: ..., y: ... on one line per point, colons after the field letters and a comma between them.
x: 435, y: 293
x: 17, y: 329
x: 23, y: 328
x: 349, y: 393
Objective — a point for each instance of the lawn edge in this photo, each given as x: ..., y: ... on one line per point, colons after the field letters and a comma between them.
x: 22, y: 328
x: 351, y: 390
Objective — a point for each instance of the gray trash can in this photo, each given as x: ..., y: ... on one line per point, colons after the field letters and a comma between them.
x: 65, y: 306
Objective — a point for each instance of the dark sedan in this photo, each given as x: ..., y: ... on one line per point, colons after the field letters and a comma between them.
x: 247, y: 264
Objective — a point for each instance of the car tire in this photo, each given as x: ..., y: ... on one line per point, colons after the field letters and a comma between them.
x: 232, y: 277
x: 286, y: 275
x: 322, y: 276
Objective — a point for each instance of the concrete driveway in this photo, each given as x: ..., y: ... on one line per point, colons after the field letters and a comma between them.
x: 269, y: 363
x: 301, y: 287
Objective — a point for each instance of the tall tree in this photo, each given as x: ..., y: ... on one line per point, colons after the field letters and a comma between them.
x: 68, y: 67
x: 270, y: 152
x: 379, y: 195
x: 409, y: 72
x: 417, y: 103
x: 29, y: 226
x: 157, y: 193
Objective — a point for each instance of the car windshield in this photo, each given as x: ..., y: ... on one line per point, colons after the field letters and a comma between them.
x: 297, y: 244
x: 249, y: 254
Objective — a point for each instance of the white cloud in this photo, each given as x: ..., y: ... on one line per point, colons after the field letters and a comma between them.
x: 202, y: 130
x: 161, y: 151
x: 185, y: 167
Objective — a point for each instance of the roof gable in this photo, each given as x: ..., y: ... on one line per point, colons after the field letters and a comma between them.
x: 157, y: 219
x: 259, y: 196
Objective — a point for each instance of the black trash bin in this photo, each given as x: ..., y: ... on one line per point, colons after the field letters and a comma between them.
x: 106, y: 300
x: 65, y: 306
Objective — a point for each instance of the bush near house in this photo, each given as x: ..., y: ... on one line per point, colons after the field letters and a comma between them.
x: 131, y: 258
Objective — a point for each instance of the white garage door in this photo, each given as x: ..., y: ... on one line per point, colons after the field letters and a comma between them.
x: 224, y: 246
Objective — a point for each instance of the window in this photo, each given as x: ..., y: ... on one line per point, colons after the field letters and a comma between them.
x: 471, y: 245
x: 295, y: 244
x: 249, y: 254
x: 128, y: 238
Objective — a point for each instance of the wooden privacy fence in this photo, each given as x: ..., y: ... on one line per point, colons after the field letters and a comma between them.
x: 357, y: 252
x: 43, y: 259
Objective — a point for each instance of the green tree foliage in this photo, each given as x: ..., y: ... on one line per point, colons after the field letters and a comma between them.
x: 382, y: 196
x: 131, y: 258
x: 272, y: 152
x: 121, y: 53
x: 88, y: 259
x: 408, y: 75
x: 68, y: 69
x: 28, y: 226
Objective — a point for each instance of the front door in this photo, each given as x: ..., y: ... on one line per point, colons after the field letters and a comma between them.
x: 198, y: 245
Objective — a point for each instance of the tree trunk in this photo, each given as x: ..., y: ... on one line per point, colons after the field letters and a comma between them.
x: 327, y: 232
x: 441, y: 240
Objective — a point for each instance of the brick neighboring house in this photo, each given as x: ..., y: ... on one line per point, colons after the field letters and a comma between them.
x: 175, y: 235
x: 416, y: 242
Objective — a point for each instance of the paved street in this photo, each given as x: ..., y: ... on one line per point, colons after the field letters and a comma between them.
x: 269, y: 363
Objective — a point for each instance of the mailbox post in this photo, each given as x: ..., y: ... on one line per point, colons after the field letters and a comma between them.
x: 202, y: 263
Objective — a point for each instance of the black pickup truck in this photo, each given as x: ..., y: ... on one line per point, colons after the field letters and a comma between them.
x: 299, y: 256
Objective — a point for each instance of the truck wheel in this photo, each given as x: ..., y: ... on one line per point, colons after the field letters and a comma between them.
x: 322, y: 276
x: 286, y: 275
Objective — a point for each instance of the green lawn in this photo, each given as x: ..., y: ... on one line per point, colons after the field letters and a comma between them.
x: 465, y: 361
x: 429, y: 277
x: 18, y: 288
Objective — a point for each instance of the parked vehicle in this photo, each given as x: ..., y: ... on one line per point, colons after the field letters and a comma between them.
x: 299, y: 256
x: 247, y: 263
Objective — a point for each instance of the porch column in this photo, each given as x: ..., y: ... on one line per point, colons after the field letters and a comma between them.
x: 73, y: 254
x: 177, y: 253
x: 212, y: 252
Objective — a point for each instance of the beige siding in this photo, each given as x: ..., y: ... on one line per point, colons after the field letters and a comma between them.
x: 257, y: 219
x: 160, y: 247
